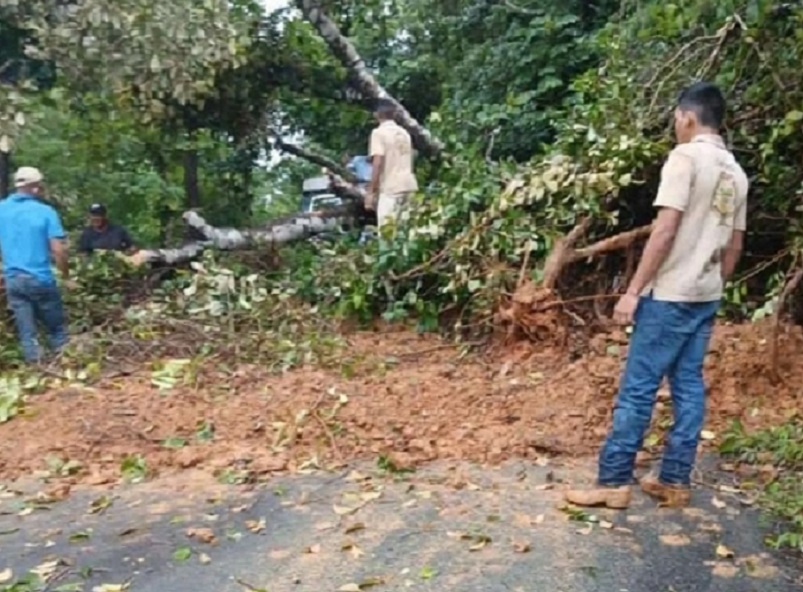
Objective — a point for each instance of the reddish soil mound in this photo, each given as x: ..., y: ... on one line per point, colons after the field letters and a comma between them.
x: 410, y: 397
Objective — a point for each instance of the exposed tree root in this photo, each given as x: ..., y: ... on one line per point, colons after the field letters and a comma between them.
x: 536, y: 310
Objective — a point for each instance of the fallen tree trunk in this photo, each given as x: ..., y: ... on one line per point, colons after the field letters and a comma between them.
x: 345, y: 51
x: 286, y: 230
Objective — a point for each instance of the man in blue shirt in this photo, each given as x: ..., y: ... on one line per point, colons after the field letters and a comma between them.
x: 360, y: 166
x: 31, y: 235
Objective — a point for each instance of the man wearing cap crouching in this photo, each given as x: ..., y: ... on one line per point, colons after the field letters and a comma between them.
x: 101, y: 235
x: 31, y: 236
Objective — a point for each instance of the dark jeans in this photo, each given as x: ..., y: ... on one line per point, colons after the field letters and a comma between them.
x: 669, y: 339
x: 32, y: 300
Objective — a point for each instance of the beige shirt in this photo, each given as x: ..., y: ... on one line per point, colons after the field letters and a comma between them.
x: 703, y: 180
x: 393, y: 142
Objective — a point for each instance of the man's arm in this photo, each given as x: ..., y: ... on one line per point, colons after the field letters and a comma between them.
x: 732, y: 253
x: 376, y: 152
x: 58, y: 243
x: 672, y: 199
x: 59, y: 251
x: 662, y: 237
x: 126, y: 242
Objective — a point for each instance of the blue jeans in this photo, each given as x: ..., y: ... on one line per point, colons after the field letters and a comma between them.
x: 32, y: 300
x: 669, y: 339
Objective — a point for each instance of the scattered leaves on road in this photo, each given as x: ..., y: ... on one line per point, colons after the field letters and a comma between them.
x: 675, y: 540
x: 356, y: 527
x: 364, y: 585
x: 81, y: 536
x: 100, y: 505
x: 202, y: 535
x: 110, y: 588
x: 256, y: 526
x: 521, y: 546
x: 182, y: 554
x: 723, y: 552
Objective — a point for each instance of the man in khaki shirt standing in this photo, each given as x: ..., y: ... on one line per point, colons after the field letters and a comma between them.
x: 391, y: 152
x: 694, y: 246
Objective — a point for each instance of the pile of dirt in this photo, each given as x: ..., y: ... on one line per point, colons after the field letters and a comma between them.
x: 397, y: 394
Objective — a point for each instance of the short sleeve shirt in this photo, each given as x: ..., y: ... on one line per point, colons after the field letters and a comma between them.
x: 112, y: 238
x: 27, y: 225
x: 703, y: 180
x: 392, y: 141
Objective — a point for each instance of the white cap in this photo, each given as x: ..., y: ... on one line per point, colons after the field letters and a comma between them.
x: 27, y: 176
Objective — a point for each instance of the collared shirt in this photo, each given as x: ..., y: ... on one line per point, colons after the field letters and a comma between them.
x: 703, y: 180
x: 393, y: 142
x: 111, y: 238
x: 27, y: 225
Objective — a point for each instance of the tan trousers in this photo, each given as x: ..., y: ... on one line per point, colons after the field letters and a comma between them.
x: 389, y: 207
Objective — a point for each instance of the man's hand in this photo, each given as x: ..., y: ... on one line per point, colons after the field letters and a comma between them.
x: 370, y: 200
x: 625, y: 309
x: 70, y: 285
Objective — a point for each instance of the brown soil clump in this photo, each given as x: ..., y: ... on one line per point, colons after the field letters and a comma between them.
x: 407, y: 397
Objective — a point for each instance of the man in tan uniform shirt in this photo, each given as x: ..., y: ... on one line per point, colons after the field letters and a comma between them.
x: 695, y: 243
x: 392, y: 178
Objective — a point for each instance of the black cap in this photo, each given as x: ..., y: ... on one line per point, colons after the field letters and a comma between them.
x: 97, y: 209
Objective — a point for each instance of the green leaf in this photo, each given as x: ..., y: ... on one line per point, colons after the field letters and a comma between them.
x: 182, y: 554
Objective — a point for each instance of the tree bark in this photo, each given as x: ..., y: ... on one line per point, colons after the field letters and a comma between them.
x: 314, y: 158
x: 564, y: 252
x: 345, y: 51
x: 5, y: 173
x: 788, y: 290
x: 343, y: 181
x: 192, y: 194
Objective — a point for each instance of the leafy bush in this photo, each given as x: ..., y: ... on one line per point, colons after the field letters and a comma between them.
x: 782, y: 448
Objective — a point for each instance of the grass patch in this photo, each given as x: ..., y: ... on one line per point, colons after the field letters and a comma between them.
x: 782, y: 497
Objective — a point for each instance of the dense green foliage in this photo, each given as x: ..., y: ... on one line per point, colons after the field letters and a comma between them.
x: 582, y: 95
x: 781, y: 449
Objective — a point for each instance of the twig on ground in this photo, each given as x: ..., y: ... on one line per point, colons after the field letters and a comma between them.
x: 329, y: 435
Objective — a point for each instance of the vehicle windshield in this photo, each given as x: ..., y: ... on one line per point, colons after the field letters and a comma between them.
x: 322, y: 202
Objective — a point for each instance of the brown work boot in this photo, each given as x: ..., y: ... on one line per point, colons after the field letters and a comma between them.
x: 616, y: 498
x: 670, y: 496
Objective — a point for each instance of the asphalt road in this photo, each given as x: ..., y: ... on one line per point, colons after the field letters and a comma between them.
x: 445, y: 528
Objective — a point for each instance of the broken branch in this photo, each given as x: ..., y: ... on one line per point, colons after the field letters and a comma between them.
x: 345, y: 51
x: 788, y: 290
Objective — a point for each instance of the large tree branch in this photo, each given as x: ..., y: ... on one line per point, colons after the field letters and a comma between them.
x: 345, y: 51
x: 612, y: 243
x: 286, y: 230
x: 342, y: 180
x: 313, y: 157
